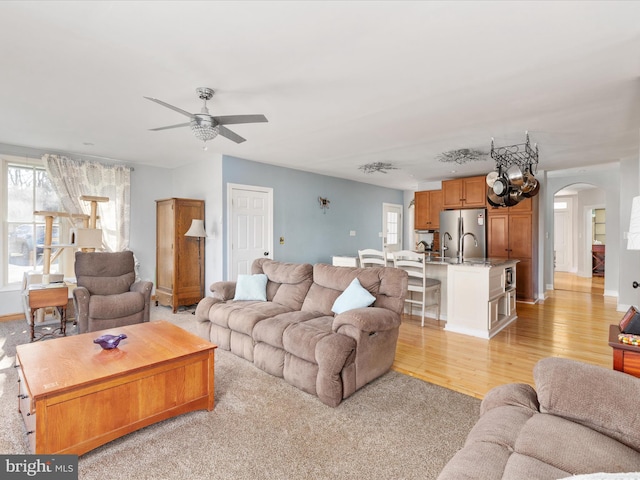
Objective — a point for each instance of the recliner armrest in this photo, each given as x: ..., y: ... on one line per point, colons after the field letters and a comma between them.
x: 143, y: 287
x: 367, y: 319
x: 224, y: 290
x: 203, y: 307
x: 510, y: 394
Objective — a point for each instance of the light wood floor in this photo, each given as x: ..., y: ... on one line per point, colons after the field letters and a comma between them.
x: 574, y: 283
x: 566, y: 324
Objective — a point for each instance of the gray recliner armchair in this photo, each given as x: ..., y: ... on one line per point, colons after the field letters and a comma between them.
x: 107, y: 295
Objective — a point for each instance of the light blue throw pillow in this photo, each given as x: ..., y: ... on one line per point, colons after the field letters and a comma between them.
x: 355, y: 296
x: 251, y: 287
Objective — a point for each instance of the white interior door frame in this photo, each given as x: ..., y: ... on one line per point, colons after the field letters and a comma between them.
x: 585, y: 263
x: 392, y: 230
x: 267, y: 234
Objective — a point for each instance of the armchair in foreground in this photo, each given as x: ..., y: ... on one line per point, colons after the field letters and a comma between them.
x: 107, y: 295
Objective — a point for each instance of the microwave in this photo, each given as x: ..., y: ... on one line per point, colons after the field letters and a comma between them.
x: 509, y: 277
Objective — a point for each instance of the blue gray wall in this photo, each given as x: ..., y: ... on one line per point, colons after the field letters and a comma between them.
x: 310, y: 235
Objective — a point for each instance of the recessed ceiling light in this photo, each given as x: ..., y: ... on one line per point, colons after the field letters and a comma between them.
x: 453, y: 171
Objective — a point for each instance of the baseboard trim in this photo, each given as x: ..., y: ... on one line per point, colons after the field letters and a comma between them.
x: 12, y: 317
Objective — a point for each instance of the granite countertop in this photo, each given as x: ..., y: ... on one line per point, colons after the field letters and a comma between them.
x: 468, y: 262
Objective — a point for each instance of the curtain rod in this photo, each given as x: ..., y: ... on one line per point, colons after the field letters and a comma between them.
x: 22, y: 151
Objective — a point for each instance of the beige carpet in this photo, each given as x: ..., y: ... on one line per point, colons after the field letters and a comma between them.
x: 397, y: 427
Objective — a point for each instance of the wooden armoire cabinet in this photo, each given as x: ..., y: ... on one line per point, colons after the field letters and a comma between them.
x: 179, y: 259
x: 512, y: 234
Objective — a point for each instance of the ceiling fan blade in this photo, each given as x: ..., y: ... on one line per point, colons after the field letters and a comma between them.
x: 234, y: 119
x: 225, y: 132
x: 171, y: 126
x: 175, y: 109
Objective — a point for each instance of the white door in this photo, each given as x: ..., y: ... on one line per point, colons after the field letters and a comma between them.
x: 562, y: 241
x: 391, y: 227
x: 251, y: 227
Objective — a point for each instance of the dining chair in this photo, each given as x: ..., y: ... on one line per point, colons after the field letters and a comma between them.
x: 370, y: 257
x: 413, y: 263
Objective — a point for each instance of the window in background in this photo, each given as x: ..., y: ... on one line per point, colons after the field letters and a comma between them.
x: 28, y: 189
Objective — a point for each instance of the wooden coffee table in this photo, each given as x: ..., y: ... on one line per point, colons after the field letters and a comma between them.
x: 74, y: 396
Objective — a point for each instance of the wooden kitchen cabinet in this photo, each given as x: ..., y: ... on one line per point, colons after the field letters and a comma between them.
x: 470, y: 192
x: 427, y: 209
x: 511, y: 234
x: 179, y: 259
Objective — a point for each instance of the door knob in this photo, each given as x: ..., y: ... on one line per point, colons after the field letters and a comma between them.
x: 265, y: 253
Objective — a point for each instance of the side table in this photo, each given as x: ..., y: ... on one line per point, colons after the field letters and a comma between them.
x: 626, y: 358
x: 41, y: 296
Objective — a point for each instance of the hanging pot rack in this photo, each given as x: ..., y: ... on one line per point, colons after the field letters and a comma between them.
x: 522, y: 155
x: 514, y: 177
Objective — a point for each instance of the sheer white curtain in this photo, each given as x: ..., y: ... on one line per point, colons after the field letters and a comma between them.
x: 73, y: 178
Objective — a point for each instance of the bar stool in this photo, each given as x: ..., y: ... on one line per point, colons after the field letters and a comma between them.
x: 413, y: 263
x: 372, y: 258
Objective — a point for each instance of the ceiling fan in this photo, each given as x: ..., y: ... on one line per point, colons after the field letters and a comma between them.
x: 205, y: 126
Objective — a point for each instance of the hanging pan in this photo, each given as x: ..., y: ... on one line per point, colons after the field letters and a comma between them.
x: 534, y: 191
x: 491, y: 178
x: 515, y: 176
x: 493, y: 199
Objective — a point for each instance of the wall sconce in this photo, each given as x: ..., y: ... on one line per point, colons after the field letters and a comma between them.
x: 324, y: 204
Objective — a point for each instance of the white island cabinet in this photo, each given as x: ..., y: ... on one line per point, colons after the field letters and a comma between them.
x: 481, y: 298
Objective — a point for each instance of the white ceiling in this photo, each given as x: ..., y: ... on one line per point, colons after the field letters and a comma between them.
x: 342, y: 83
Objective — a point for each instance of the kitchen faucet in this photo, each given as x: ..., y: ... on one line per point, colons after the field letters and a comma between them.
x: 443, y: 244
x: 461, y: 246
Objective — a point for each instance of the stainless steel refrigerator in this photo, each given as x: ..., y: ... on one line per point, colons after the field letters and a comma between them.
x: 456, y: 223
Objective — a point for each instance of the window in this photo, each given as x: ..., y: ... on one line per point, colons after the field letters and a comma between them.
x: 28, y: 189
x: 392, y: 228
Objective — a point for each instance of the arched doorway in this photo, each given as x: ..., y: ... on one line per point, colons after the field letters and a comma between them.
x: 579, y: 238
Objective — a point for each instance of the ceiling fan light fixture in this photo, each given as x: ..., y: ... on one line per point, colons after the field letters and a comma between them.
x: 206, y: 127
x: 204, y: 130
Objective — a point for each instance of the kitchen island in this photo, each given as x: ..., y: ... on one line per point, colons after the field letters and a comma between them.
x: 482, y: 297
x: 478, y: 295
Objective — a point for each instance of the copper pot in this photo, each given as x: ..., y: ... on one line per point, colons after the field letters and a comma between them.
x: 530, y: 182
x: 533, y: 192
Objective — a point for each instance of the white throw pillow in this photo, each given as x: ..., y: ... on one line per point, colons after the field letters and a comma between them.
x: 251, y: 287
x: 355, y: 296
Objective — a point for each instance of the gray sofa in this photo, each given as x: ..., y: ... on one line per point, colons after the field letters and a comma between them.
x: 583, y: 419
x: 295, y: 335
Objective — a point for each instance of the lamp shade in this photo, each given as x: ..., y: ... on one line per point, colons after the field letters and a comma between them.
x: 196, y: 229
x: 633, y: 242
